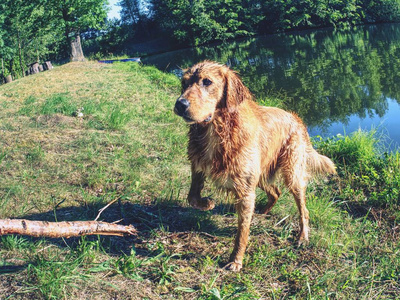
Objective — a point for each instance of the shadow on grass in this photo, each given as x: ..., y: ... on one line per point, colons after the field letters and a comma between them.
x: 9, y: 269
x: 166, y: 219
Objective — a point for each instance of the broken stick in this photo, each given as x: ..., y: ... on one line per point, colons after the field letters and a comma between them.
x: 62, y: 229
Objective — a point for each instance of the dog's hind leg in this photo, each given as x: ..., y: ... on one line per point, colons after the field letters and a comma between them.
x: 299, y: 194
x: 296, y: 181
x: 273, y: 193
x: 296, y: 177
x: 245, y: 210
x: 194, y: 197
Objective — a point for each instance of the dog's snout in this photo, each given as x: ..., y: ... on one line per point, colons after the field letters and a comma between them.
x: 181, y: 106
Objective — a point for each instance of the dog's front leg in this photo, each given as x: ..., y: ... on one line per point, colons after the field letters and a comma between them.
x: 245, y: 210
x: 194, y: 196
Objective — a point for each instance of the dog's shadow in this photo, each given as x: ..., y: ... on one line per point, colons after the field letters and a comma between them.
x: 161, y: 217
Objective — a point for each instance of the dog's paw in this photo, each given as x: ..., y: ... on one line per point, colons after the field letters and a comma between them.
x: 303, y: 237
x: 302, y: 242
x: 233, y: 266
x: 207, y: 203
x: 204, y: 204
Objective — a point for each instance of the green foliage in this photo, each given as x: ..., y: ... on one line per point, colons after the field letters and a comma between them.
x: 377, y: 11
x: 361, y: 163
x: 81, y: 15
x: 351, y: 151
x: 116, y: 34
x: 287, y: 15
x: 25, y: 30
x: 200, y: 22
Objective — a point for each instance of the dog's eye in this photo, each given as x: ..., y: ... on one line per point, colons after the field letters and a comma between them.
x: 207, y: 82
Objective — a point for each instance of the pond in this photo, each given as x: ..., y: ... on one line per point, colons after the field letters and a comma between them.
x: 336, y: 81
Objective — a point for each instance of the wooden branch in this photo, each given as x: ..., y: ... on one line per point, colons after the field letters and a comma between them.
x: 62, y: 229
x: 105, y: 207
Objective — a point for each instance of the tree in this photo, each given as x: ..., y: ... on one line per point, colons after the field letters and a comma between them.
x: 136, y: 17
x: 2, y: 17
x: 199, y: 22
x: 130, y: 11
x: 22, y: 33
x: 77, y: 16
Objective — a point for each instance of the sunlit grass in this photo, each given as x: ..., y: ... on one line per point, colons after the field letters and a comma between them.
x: 82, y: 135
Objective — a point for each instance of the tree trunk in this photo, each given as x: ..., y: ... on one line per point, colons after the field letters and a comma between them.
x: 20, y: 56
x: 76, y: 49
x: 11, y: 68
x: 62, y: 229
x: 2, y: 70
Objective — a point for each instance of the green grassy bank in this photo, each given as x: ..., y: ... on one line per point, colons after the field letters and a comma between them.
x: 84, y: 134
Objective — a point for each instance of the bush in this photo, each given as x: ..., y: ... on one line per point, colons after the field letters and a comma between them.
x: 364, y: 168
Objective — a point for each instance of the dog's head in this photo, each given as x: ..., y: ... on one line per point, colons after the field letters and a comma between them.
x: 206, y: 88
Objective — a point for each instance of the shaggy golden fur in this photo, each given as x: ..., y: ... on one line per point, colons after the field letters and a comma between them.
x: 241, y: 146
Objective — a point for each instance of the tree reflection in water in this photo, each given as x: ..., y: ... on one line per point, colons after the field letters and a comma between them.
x: 328, y: 77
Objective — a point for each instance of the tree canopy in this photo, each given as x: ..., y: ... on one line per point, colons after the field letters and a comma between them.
x: 36, y: 30
x: 199, y: 22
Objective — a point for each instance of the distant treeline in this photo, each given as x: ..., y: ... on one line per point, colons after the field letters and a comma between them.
x: 39, y: 30
x: 198, y: 22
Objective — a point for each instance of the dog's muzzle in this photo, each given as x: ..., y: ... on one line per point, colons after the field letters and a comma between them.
x: 181, y: 109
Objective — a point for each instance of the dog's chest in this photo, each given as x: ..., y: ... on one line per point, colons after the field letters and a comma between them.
x: 215, y: 157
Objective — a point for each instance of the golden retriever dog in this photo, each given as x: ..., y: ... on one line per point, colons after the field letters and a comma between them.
x: 241, y: 145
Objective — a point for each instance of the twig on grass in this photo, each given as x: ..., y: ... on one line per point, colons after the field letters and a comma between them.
x: 105, y: 207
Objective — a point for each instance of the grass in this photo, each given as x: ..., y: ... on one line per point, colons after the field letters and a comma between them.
x: 81, y: 135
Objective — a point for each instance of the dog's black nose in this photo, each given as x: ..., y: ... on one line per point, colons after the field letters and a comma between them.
x: 181, y: 106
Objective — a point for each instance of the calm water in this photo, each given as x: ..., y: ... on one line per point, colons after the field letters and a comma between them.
x: 336, y: 81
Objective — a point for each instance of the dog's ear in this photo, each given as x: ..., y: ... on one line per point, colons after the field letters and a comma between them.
x: 235, y: 91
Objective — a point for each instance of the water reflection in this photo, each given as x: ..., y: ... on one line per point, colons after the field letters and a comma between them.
x: 331, y: 79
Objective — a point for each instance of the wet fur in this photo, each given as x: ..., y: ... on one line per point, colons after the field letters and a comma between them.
x: 240, y: 146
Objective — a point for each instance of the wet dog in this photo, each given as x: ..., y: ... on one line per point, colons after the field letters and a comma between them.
x: 241, y: 145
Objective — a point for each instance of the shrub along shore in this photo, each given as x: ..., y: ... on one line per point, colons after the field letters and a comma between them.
x: 84, y: 134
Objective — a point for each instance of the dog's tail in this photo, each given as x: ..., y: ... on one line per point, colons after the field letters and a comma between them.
x: 320, y: 164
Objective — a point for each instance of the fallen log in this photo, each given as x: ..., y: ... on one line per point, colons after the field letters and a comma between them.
x: 62, y: 229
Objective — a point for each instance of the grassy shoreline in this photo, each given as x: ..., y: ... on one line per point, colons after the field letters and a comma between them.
x: 59, y: 165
